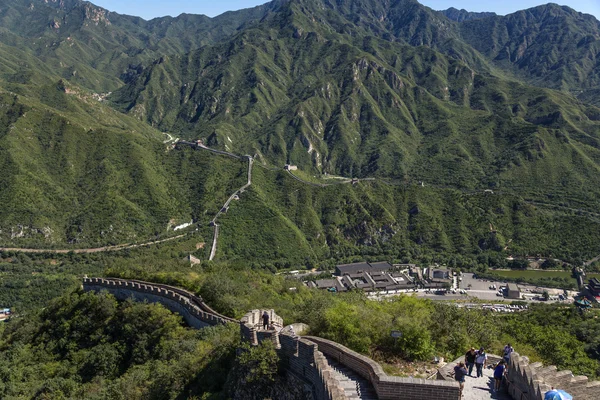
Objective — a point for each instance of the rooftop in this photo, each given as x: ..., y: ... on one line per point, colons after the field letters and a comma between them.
x: 351, y: 269
x: 354, y: 268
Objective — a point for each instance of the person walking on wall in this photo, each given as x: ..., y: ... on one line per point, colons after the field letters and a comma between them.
x: 265, y: 320
x: 470, y: 359
x: 480, y: 361
x: 499, y: 372
x: 507, y: 350
x: 459, y: 376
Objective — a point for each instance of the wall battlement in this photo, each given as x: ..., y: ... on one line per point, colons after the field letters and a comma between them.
x: 195, y: 312
x: 530, y: 381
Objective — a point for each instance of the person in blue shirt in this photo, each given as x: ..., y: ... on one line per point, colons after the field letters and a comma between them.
x: 499, y: 372
x: 459, y: 375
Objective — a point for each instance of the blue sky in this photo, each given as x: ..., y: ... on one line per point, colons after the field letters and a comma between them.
x: 157, y: 8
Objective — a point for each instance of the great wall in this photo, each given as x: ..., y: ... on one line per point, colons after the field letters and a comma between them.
x: 330, y: 371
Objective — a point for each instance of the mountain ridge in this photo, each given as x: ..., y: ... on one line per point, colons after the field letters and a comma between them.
x: 387, y: 90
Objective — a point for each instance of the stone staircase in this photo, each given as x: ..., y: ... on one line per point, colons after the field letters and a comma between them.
x: 355, y: 386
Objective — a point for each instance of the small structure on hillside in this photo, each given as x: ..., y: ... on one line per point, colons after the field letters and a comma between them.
x: 512, y: 291
x: 192, y: 260
x: 289, y: 167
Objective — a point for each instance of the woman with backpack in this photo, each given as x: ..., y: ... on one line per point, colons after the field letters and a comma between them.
x: 459, y: 376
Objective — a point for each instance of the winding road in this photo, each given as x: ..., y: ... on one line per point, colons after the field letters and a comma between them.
x: 200, y: 146
x: 118, y: 247
x: 235, y: 195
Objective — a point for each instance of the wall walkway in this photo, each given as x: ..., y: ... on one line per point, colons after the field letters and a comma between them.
x: 193, y: 310
x: 527, y: 381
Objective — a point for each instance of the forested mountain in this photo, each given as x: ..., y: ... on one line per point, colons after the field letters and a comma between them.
x: 549, y: 45
x: 96, y: 48
x: 464, y: 15
x: 294, y: 90
x: 360, y: 88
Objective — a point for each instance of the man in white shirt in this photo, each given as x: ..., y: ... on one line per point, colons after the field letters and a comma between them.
x: 480, y: 362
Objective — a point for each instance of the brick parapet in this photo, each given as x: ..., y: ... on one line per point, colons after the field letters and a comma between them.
x: 303, y: 359
x: 387, y: 387
x: 530, y: 381
x: 191, y: 307
x: 254, y: 318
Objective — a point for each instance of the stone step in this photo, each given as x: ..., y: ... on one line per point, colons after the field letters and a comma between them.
x: 355, y: 387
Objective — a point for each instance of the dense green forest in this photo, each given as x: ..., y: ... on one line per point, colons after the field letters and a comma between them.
x: 91, y: 346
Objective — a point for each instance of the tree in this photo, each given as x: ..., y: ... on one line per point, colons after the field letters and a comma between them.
x: 254, y: 372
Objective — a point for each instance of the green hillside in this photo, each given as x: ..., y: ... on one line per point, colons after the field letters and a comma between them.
x: 98, y: 49
x: 330, y: 103
x: 355, y: 88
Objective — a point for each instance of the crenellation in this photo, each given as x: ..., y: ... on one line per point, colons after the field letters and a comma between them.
x: 531, y: 381
x: 154, y: 293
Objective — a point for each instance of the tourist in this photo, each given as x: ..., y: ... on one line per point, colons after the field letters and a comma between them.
x: 499, y: 372
x: 470, y: 359
x: 459, y: 375
x: 507, y: 350
x: 265, y: 318
x: 480, y: 361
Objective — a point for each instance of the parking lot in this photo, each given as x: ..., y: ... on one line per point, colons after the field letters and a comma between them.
x: 481, y: 288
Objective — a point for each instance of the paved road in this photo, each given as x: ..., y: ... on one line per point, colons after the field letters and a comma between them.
x: 480, y: 289
x: 86, y: 251
x: 213, y: 250
x: 593, y: 260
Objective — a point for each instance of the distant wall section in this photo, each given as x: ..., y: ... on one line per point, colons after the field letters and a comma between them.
x: 190, y: 307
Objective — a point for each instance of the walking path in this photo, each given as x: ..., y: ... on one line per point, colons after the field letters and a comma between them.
x: 355, y: 386
x: 481, y: 388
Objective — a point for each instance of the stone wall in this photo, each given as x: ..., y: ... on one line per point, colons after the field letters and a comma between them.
x: 530, y: 381
x: 387, y: 387
x: 252, y: 330
x: 190, y: 307
x: 300, y: 357
x: 305, y: 357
